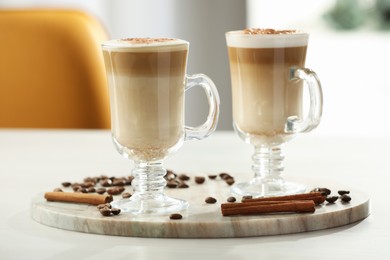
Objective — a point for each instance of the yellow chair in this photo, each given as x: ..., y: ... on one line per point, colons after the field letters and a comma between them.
x: 51, y: 70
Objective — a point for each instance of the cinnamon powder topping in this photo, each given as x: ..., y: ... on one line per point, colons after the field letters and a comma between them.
x: 146, y: 40
x: 267, y: 31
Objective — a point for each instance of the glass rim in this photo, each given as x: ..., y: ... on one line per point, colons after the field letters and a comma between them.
x: 120, y: 43
x: 241, y: 34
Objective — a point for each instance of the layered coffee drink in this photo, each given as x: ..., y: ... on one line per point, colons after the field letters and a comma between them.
x: 146, y: 82
x: 264, y: 95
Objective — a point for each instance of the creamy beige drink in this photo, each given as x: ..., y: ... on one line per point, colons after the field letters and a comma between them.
x: 146, y: 78
x: 263, y: 94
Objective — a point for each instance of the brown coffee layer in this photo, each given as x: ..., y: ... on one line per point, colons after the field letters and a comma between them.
x: 146, y: 63
x: 263, y: 95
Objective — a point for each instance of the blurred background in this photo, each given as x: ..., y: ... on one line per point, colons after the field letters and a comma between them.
x: 349, y: 48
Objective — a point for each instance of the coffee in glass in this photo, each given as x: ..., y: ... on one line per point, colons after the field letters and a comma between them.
x: 267, y: 70
x: 147, y: 83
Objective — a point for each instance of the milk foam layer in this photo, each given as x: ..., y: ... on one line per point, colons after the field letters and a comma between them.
x: 152, y: 44
x: 266, y: 38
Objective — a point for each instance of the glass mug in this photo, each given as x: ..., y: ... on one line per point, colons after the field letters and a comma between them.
x: 147, y: 82
x: 267, y: 69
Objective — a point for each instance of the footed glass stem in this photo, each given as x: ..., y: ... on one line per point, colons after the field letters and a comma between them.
x: 149, y: 197
x: 267, y: 182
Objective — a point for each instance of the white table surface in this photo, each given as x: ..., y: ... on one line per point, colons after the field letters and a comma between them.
x: 35, y: 161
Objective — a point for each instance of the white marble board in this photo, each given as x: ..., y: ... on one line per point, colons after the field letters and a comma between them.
x: 201, y: 220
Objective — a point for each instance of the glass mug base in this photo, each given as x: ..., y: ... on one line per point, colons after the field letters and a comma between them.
x: 156, y: 205
x: 258, y: 188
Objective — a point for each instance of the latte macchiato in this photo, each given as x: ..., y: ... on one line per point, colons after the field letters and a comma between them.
x: 263, y: 94
x: 146, y: 78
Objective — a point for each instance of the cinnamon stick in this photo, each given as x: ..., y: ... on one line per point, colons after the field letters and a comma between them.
x: 252, y: 208
x: 316, y: 197
x: 77, y: 197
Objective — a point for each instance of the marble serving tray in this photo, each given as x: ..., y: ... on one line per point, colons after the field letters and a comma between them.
x: 201, y: 220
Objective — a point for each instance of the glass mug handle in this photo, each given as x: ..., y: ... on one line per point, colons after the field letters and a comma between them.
x: 210, y: 124
x: 294, y: 124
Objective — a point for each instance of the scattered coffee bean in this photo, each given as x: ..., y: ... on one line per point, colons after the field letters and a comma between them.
x: 88, y: 184
x: 324, y: 191
x: 82, y: 190
x: 172, y: 184
x: 345, y: 198
x: 342, y: 192
x: 182, y: 185
x: 126, y: 195
x: 224, y: 175
x: 115, y: 191
x: 76, y: 187
x: 170, y: 175
x: 212, y: 177
x: 118, y: 182
x: 331, y: 199
x: 199, y: 179
x: 183, y: 177
x: 129, y: 180
x: 58, y: 190
x: 100, y: 206
x: 105, y: 211
x: 66, y: 184
x: 231, y: 199
x: 246, y: 197
x: 105, y: 182
x: 175, y: 216
x: 105, y: 205
x: 115, y: 211
x: 210, y: 200
x: 100, y: 190
x: 91, y: 189
x: 229, y: 181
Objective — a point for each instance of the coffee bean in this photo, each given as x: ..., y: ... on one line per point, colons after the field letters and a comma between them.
x: 324, y: 191
x: 126, y: 195
x: 58, y: 190
x: 210, y: 200
x: 231, y: 199
x: 175, y: 216
x: 105, y: 205
x: 212, y: 177
x: 342, y: 192
x: 246, y: 197
x: 76, y: 187
x: 100, y: 190
x: 105, y: 211
x: 199, y: 179
x: 331, y: 199
x: 118, y: 182
x: 100, y: 206
x: 129, y: 180
x: 172, y: 184
x: 82, y: 190
x: 66, y: 184
x: 115, y: 211
x: 115, y: 191
x: 183, y: 177
x: 225, y: 175
x: 87, y: 184
x: 170, y: 175
x: 91, y: 189
x: 229, y: 181
x: 345, y: 198
x: 106, y: 182
x: 182, y: 185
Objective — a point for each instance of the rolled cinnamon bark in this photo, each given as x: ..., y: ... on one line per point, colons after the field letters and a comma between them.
x: 77, y: 197
x: 252, y: 208
x: 317, y: 197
